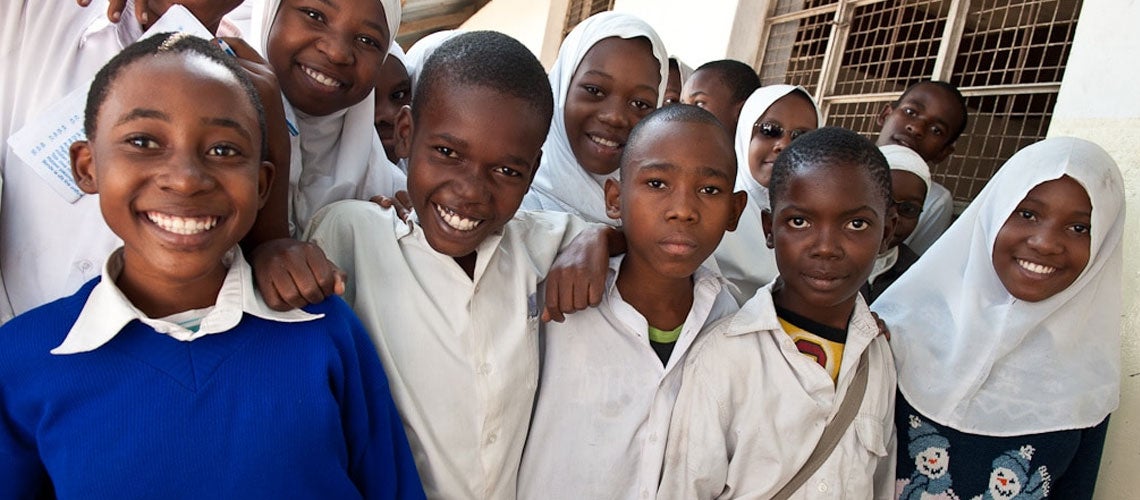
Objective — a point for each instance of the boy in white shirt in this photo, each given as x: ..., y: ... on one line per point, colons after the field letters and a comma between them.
x: 610, y: 374
x: 760, y: 388
x: 449, y: 297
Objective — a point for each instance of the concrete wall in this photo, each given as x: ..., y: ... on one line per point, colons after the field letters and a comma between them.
x: 698, y: 32
x: 1098, y: 102
x: 523, y: 19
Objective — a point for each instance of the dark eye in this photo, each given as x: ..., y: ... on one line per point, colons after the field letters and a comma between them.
x: 313, y: 14
x: 508, y: 171
x: 909, y: 111
x: 1025, y: 214
x: 446, y: 151
x: 858, y: 225
x: 669, y: 100
x: 399, y: 95
x: 141, y: 141
x: 710, y: 190
x: 655, y: 183
x: 641, y: 105
x: 223, y: 150
x: 369, y: 41
x: 592, y: 89
x: 1080, y: 228
x: 937, y: 131
x: 699, y: 104
x: 798, y: 223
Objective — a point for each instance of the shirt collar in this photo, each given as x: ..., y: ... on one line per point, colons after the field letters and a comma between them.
x: 107, y: 311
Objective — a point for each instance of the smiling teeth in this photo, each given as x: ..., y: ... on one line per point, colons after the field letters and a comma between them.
x: 605, y: 142
x: 1035, y: 268
x: 321, y: 78
x: 182, y: 225
x: 457, y: 221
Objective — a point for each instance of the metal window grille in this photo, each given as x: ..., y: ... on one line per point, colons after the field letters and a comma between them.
x: 578, y: 10
x: 855, y: 56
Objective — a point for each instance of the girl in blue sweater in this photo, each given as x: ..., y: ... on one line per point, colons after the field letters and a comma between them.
x: 168, y: 376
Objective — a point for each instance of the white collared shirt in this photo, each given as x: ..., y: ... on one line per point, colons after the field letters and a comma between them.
x: 461, y: 354
x: 605, y: 399
x: 107, y: 310
x: 753, y: 407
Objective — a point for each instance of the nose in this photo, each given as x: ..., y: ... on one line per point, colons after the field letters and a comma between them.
x: 784, y: 141
x: 616, y: 114
x: 683, y: 208
x: 473, y: 187
x: 337, y: 48
x: 1045, y: 242
x: 826, y: 243
x: 186, y: 176
x: 915, y: 127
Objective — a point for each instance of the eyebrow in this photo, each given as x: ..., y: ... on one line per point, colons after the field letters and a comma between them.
x: 1031, y: 199
x: 714, y: 172
x: 845, y: 213
x: 602, y: 74
x: 230, y: 124
x: 462, y: 144
x: 142, y: 114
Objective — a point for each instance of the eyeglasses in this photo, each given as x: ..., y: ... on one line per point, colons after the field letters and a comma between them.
x: 776, y: 131
x: 907, y: 209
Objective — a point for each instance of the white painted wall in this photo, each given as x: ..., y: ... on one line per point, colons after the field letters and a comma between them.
x: 1099, y: 102
x: 695, y: 32
x: 526, y: 20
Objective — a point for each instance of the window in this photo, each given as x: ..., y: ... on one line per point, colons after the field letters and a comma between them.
x: 1006, y: 56
x: 578, y: 10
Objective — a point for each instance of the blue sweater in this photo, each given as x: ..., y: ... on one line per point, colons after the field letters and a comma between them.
x: 266, y: 410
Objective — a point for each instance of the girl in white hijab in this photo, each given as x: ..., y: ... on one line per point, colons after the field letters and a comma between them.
x: 327, y: 83
x: 599, y: 95
x: 1006, y: 333
x: 393, y: 92
x: 769, y: 120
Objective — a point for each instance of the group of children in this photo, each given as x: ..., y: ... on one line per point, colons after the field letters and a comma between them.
x: 708, y: 270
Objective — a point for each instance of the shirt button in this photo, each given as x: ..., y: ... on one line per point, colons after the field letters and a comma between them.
x: 653, y: 438
x: 492, y: 438
x: 85, y: 265
x: 822, y: 487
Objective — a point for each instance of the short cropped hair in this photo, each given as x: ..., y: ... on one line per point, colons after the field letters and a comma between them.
x: 735, y: 75
x: 488, y: 59
x: 958, y: 98
x: 168, y: 43
x: 684, y: 113
x: 830, y: 145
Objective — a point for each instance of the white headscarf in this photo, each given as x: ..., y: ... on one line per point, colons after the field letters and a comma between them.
x: 338, y: 156
x: 907, y: 160
x: 743, y: 255
x: 685, y: 70
x: 971, y: 356
x: 419, y: 52
x: 562, y: 184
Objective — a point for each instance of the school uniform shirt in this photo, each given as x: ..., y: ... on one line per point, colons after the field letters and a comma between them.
x: 1019, y: 368
x: 753, y: 407
x: 605, y: 397
x: 48, y: 246
x: 561, y: 184
x: 461, y: 353
x: 743, y: 255
x: 338, y: 156
x: 937, y: 213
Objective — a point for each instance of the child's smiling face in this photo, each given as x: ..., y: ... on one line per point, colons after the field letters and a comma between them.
x: 827, y: 226
x: 472, y: 152
x: 924, y: 119
x: 675, y: 198
x: 327, y: 54
x: 1044, y: 245
x: 393, y: 91
x: 791, y: 115
x: 614, y: 87
x: 177, y: 166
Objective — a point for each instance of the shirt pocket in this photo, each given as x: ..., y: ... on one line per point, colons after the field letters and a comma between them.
x: 871, y: 435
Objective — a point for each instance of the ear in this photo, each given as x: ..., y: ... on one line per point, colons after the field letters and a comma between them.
x: 943, y: 154
x: 887, y: 109
x: 613, y: 199
x: 266, y: 172
x: 766, y: 222
x: 892, y: 218
x: 739, y: 201
x: 83, y: 167
x: 404, y: 129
